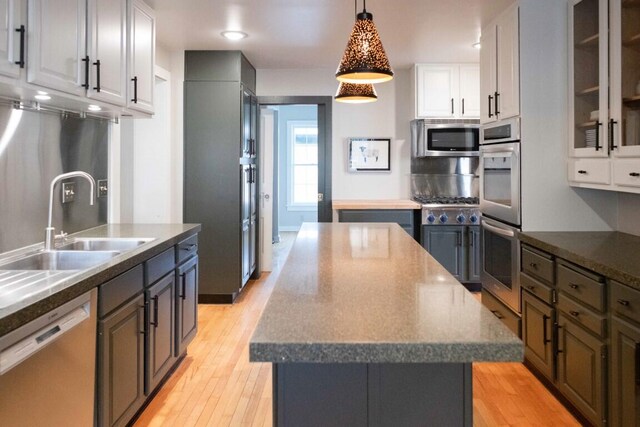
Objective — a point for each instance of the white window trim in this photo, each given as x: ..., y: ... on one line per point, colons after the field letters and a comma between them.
x: 296, y: 207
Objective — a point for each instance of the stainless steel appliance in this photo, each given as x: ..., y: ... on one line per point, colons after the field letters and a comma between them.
x: 439, y: 139
x: 438, y: 210
x: 501, y: 261
x: 47, y: 368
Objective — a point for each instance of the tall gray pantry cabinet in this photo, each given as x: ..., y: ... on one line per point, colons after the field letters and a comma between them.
x: 220, y: 159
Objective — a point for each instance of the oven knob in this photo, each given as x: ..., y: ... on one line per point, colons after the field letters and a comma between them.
x: 431, y: 218
x: 473, y: 218
x: 460, y: 218
x: 444, y: 218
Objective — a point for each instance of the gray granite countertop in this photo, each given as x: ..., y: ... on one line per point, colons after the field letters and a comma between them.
x: 613, y: 254
x: 164, y: 235
x: 368, y: 293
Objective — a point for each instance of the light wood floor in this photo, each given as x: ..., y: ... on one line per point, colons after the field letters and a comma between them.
x: 217, y: 386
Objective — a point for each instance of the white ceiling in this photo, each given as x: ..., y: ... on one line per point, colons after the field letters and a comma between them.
x: 313, y: 34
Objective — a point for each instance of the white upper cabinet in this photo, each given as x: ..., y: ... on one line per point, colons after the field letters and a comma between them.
x: 447, y: 90
x: 56, y: 35
x: 500, y: 67
x: 107, y: 35
x: 141, y: 57
x: 13, y: 18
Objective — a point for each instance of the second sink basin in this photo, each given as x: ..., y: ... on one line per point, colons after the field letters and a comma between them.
x: 104, y: 244
x: 60, y: 260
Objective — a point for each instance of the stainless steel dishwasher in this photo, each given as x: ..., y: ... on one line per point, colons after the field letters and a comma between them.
x: 47, y: 368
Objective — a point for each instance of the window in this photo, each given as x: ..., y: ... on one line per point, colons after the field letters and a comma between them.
x: 303, y: 156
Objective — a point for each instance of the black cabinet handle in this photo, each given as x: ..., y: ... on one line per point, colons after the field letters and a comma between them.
x: 598, y: 124
x: 143, y: 329
x: 612, y: 145
x: 155, y: 311
x: 634, y: 174
x: 463, y: 106
x: 637, y: 355
x: 497, y: 314
x: 490, y: 99
x: 582, y: 172
x: 184, y: 286
x: 533, y: 265
x: 86, y: 72
x: 545, y: 338
x: 573, y: 286
x: 451, y: 106
x: 135, y: 89
x: 574, y: 313
x: 97, y: 64
x: 497, y: 95
x: 22, y: 30
x: 531, y: 288
x: 188, y: 247
x: 623, y: 302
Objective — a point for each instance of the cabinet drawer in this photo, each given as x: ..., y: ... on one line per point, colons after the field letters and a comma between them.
x: 506, y: 316
x: 537, y: 265
x: 582, y: 285
x: 404, y: 217
x: 187, y: 248
x: 626, y: 173
x: 118, y: 290
x: 625, y: 301
x: 593, y: 171
x: 537, y: 288
x: 160, y: 265
x: 591, y: 320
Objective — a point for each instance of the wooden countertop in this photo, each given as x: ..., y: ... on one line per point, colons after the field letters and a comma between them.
x: 376, y: 204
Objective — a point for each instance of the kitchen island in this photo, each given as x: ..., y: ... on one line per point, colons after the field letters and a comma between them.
x: 364, y: 327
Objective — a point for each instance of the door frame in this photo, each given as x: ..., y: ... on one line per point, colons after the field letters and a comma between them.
x: 324, y: 103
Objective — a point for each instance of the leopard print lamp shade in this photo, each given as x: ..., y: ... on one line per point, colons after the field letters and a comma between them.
x: 364, y: 59
x: 356, y: 93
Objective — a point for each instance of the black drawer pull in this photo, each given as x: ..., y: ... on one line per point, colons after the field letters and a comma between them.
x: 533, y: 265
x: 497, y: 314
x: 634, y: 174
x: 531, y: 288
x: 490, y: 99
x: 623, y: 302
x: 135, y: 89
x: 188, y: 247
x: 574, y: 313
x: 22, y: 30
x: 155, y: 311
x: 573, y: 286
x: 582, y: 172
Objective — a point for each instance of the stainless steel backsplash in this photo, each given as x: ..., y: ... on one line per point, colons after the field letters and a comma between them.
x: 34, y: 148
x: 445, y: 176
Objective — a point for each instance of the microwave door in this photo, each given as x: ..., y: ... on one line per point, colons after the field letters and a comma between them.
x: 500, y: 182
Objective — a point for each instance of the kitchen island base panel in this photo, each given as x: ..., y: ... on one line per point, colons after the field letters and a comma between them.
x: 380, y: 395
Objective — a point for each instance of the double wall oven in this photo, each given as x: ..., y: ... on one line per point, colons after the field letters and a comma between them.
x: 500, y: 205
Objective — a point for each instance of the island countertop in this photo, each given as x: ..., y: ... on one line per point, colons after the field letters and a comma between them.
x: 368, y: 293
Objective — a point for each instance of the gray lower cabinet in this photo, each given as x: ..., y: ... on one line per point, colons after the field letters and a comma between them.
x: 475, y: 260
x: 537, y: 334
x: 405, y: 218
x: 186, y: 304
x: 625, y: 373
x: 582, y: 369
x: 161, y: 329
x: 447, y: 245
x: 121, y: 364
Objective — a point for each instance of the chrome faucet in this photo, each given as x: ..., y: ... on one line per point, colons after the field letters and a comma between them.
x: 50, y: 232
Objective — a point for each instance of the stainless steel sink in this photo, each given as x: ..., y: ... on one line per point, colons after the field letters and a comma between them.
x: 60, y: 260
x: 104, y: 244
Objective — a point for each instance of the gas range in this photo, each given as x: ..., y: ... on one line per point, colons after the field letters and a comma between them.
x: 438, y: 210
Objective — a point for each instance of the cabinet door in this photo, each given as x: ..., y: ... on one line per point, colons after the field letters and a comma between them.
x: 246, y: 251
x: 245, y: 191
x: 141, y: 56
x: 253, y: 245
x: 488, y: 74
x: 57, y: 44
x: 508, y: 68
x: 120, y: 373
x: 107, y: 31
x: 253, y: 190
x: 161, y: 327
x: 437, y: 90
x: 254, y: 126
x: 446, y: 245
x: 537, y: 318
x: 588, y: 78
x: 247, y: 142
x: 12, y: 18
x: 186, y: 304
x: 470, y: 91
x: 581, y: 369
x: 625, y: 374
x: 474, y: 254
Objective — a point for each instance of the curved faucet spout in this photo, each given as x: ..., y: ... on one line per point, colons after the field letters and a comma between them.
x: 50, y: 231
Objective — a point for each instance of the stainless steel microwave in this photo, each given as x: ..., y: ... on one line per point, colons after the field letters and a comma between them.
x: 451, y: 139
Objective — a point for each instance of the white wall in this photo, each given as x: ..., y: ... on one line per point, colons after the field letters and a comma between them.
x: 378, y: 119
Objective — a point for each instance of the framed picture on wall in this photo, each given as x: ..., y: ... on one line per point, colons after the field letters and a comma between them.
x: 369, y: 154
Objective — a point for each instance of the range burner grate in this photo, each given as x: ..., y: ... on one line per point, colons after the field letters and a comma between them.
x: 444, y: 200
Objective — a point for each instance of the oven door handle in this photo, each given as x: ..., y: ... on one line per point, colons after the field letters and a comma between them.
x: 500, y: 231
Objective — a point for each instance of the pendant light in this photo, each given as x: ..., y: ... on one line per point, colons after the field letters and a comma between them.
x: 364, y: 59
x: 355, y: 93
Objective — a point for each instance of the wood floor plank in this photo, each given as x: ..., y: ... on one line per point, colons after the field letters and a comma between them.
x: 217, y: 386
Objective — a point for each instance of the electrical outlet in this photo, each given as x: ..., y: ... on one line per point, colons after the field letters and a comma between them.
x: 103, y: 188
x: 68, y: 192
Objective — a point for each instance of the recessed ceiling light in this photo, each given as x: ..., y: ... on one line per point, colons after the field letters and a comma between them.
x: 234, y: 35
x: 476, y: 45
x: 42, y: 97
x: 41, y: 92
x: 95, y: 108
